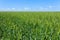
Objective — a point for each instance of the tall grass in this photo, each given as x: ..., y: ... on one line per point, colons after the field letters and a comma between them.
x: 29, y: 25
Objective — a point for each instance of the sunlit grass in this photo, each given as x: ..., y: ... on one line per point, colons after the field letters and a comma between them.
x: 30, y: 25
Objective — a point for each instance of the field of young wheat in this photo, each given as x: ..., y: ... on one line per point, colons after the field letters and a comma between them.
x: 29, y: 25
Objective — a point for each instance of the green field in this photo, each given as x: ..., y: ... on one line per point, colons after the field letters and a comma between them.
x: 29, y: 25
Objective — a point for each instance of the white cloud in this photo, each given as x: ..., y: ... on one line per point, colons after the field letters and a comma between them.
x: 8, y: 9
x: 27, y: 9
x: 50, y: 6
x: 41, y: 8
x: 13, y: 8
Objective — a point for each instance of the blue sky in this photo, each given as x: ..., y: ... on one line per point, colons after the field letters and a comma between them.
x: 29, y: 5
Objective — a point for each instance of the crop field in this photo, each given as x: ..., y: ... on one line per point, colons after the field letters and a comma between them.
x: 29, y: 25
